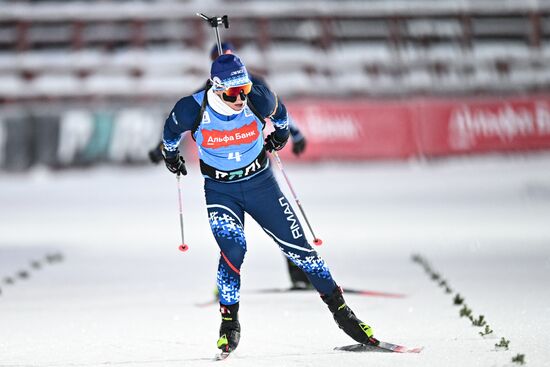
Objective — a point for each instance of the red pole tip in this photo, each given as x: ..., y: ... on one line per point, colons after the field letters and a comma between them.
x: 317, y: 242
x: 183, y: 247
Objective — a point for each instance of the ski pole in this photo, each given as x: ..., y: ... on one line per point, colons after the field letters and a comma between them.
x: 183, y: 247
x: 214, y: 22
x: 316, y: 241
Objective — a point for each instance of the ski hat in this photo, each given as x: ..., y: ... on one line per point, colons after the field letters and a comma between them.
x: 228, y: 71
x: 226, y: 46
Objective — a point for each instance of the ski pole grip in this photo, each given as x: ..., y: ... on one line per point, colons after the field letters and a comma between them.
x: 215, y: 21
x: 225, y: 21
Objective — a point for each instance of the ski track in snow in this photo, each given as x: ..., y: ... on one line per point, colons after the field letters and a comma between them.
x: 123, y: 295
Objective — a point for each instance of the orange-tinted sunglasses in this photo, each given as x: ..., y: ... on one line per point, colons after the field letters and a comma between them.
x: 236, y: 91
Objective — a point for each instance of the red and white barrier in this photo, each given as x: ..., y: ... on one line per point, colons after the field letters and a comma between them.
x: 359, y: 129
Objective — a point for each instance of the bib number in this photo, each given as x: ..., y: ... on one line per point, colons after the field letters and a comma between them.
x: 236, y: 156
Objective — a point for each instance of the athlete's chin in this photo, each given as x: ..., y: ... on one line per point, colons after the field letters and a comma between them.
x: 237, y: 106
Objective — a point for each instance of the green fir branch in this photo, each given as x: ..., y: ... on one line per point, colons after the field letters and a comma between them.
x: 480, y: 321
x: 458, y: 300
x: 519, y: 359
x: 465, y: 311
x: 504, y: 343
x: 487, y: 331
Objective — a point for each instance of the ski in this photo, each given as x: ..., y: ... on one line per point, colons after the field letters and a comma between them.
x: 373, y: 293
x: 359, y: 292
x: 380, y: 347
x: 222, y: 356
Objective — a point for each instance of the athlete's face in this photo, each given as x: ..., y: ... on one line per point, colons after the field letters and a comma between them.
x: 236, y: 106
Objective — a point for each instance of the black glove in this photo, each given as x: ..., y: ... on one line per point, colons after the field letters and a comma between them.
x: 155, y: 154
x: 298, y: 146
x: 273, y: 143
x: 175, y: 164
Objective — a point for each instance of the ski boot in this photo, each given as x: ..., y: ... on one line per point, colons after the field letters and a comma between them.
x: 230, y: 329
x: 346, y: 319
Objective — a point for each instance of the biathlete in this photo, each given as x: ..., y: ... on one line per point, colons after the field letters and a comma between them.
x: 226, y: 121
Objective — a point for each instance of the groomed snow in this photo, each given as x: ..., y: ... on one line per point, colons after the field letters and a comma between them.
x: 125, y: 296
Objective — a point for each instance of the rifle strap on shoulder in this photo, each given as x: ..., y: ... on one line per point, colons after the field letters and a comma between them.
x: 198, y: 119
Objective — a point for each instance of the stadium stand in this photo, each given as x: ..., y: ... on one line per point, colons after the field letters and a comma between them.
x: 75, y: 50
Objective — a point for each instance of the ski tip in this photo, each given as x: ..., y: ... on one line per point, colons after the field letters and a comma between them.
x: 221, y: 356
x: 382, y: 294
x: 183, y: 247
x: 373, y: 293
x: 416, y: 350
x: 403, y: 349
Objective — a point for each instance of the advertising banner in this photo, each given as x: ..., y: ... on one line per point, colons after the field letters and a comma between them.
x: 421, y: 127
x: 354, y: 129
x: 450, y: 127
x: 341, y: 130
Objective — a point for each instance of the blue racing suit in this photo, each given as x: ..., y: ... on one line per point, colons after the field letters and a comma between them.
x: 238, y: 179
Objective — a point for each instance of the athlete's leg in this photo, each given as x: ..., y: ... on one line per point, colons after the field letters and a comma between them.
x: 273, y: 212
x: 268, y: 206
x: 226, y: 218
x: 297, y: 276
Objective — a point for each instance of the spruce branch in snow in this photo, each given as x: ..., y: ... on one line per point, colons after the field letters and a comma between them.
x: 480, y: 321
x: 503, y: 343
x: 487, y: 331
x: 465, y: 311
x: 519, y: 359
x: 417, y: 258
x: 458, y: 300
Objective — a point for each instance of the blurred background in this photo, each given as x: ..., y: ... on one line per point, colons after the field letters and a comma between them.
x: 91, y: 82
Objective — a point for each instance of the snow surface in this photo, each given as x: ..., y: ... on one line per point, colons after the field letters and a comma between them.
x: 125, y: 296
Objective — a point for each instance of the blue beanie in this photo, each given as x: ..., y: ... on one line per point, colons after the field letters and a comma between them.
x: 228, y: 71
x: 226, y: 46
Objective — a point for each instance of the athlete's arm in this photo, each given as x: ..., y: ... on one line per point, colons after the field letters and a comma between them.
x: 180, y: 120
x: 269, y: 105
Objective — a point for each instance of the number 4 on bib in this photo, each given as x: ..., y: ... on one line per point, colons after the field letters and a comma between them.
x: 236, y: 156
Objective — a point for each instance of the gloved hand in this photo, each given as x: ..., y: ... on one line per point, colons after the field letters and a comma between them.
x: 176, y: 164
x: 155, y: 154
x: 273, y: 143
x: 298, y: 146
